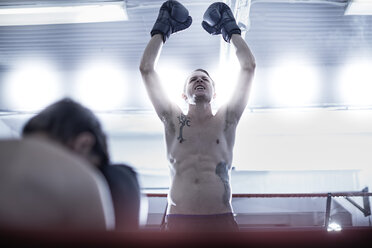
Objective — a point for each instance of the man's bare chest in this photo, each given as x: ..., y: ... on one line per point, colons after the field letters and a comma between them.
x: 198, y: 133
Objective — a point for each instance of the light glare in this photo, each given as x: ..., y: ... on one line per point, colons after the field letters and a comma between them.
x: 101, y: 86
x: 32, y: 86
x: 334, y: 227
x: 356, y: 84
x: 293, y: 85
x: 225, y: 79
x: 173, y: 80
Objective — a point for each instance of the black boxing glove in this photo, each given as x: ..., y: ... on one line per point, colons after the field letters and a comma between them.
x: 218, y: 19
x: 173, y: 17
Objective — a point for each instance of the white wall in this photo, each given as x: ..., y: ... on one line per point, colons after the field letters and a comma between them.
x: 270, y: 140
x: 319, y: 145
x: 313, y: 139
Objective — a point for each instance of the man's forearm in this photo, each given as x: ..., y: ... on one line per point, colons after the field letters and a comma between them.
x: 151, y: 53
x: 244, y: 54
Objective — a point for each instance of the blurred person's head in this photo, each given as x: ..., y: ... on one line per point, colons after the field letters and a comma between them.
x: 74, y: 126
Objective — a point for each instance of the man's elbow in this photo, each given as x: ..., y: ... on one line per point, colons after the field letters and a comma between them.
x: 249, y: 66
x: 146, y: 68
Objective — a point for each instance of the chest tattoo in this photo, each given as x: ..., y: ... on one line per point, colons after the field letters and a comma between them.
x: 183, y: 121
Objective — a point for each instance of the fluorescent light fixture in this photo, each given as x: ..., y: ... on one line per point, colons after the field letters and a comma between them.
x: 359, y: 7
x: 39, y: 15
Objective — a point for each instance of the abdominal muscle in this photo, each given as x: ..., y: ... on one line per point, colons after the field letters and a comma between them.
x: 199, y: 189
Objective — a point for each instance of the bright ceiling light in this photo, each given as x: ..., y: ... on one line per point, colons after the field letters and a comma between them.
x: 359, y: 7
x: 356, y: 86
x: 293, y: 85
x: 32, y: 86
x: 38, y: 15
x: 101, y: 86
x: 334, y: 227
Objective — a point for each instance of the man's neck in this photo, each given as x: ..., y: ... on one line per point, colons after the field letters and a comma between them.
x: 200, y: 111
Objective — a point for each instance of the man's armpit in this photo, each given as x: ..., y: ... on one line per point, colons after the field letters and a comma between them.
x: 231, y: 119
x: 167, y: 119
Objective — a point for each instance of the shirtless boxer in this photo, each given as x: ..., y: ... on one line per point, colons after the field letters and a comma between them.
x: 199, y: 143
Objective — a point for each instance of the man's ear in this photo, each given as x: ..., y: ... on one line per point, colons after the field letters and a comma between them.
x: 214, y: 95
x: 184, y: 96
x: 83, y: 143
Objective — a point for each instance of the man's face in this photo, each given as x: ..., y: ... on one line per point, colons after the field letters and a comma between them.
x: 199, y: 88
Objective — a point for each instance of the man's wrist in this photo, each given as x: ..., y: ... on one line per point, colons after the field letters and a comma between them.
x: 158, y: 36
x: 235, y: 36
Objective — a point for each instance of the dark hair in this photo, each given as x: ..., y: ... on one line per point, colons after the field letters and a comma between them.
x: 65, y: 120
x: 202, y: 70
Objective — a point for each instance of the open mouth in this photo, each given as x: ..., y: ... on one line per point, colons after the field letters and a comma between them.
x: 199, y: 87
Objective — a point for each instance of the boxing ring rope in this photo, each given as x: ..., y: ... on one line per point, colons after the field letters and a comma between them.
x: 284, y: 195
x: 366, y: 209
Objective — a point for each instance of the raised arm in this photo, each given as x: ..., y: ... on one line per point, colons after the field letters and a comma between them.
x: 218, y: 19
x: 154, y: 88
x: 173, y: 17
x: 239, y: 98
